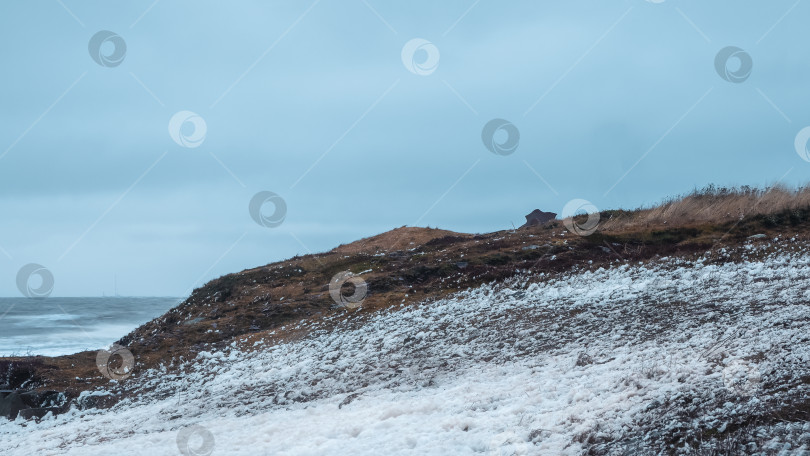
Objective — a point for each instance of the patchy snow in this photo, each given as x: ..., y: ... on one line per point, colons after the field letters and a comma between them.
x: 639, y: 359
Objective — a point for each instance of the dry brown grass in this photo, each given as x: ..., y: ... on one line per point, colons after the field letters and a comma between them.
x: 402, y: 238
x: 710, y: 205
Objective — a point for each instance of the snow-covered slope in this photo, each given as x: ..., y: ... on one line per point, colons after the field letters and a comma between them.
x: 636, y: 359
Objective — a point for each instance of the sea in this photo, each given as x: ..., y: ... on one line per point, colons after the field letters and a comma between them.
x: 60, y: 326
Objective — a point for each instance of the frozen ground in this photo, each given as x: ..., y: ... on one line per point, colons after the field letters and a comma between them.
x: 680, y: 357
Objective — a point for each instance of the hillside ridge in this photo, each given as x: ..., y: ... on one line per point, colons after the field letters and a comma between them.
x: 409, y: 265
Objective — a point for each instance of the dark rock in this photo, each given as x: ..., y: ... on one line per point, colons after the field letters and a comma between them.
x: 30, y: 398
x: 52, y: 399
x: 11, y: 405
x: 538, y: 217
x: 96, y: 401
x: 32, y: 404
x: 39, y: 413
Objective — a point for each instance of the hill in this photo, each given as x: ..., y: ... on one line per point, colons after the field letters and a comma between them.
x: 652, y: 318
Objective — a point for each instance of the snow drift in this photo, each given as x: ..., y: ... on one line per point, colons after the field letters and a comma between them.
x: 672, y: 357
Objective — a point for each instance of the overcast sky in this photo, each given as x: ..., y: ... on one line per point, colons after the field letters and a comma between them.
x: 332, y: 106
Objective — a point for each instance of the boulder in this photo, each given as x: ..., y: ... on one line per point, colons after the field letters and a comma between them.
x: 31, y: 404
x: 11, y: 405
x: 51, y: 399
x: 96, y: 400
x: 538, y: 217
x: 39, y: 413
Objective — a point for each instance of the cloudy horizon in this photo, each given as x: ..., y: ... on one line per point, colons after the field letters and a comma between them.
x: 363, y: 116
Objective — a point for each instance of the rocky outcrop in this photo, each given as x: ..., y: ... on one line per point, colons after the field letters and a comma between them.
x: 31, y: 404
x: 538, y: 217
